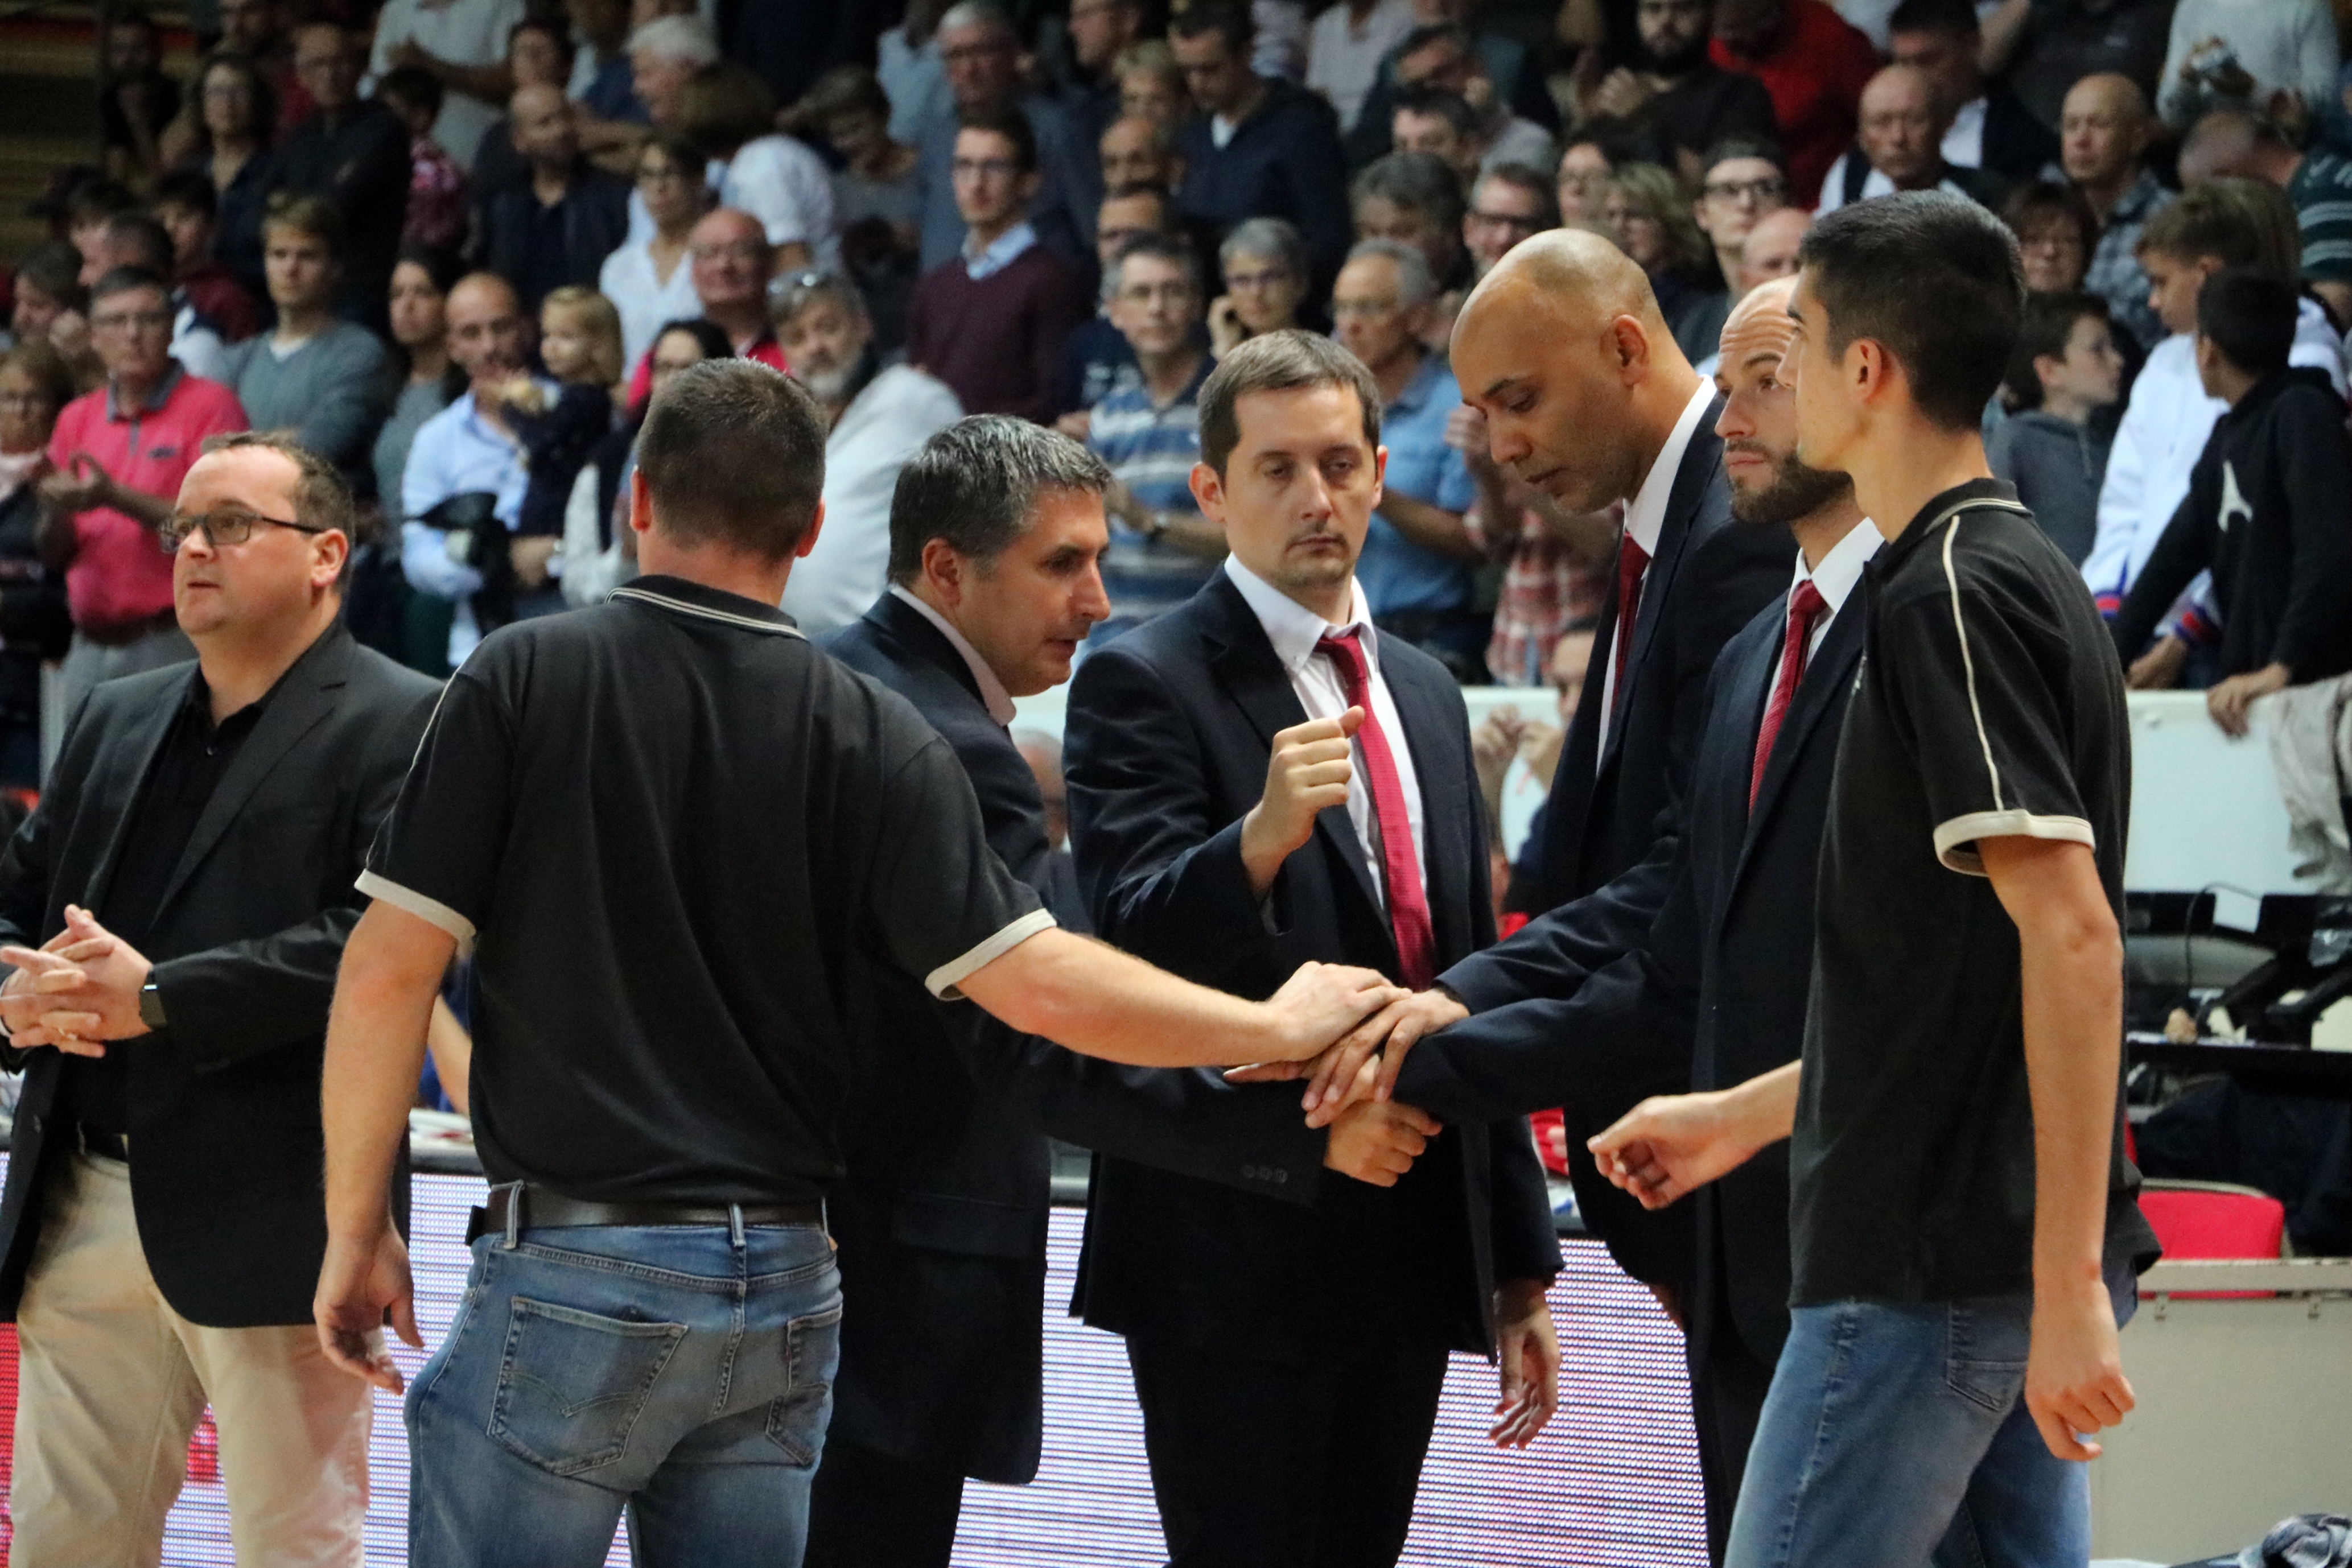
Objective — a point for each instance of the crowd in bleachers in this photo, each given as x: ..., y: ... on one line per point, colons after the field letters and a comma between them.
x: 458, y: 244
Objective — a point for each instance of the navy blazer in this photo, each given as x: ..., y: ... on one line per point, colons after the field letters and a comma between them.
x: 227, y: 1154
x: 941, y: 1216
x: 1717, y: 993
x: 1609, y: 827
x: 1170, y: 731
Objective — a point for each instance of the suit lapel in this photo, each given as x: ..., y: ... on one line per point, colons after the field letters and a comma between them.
x: 145, y: 737
x: 918, y: 639
x: 1825, y: 680
x: 1701, y: 457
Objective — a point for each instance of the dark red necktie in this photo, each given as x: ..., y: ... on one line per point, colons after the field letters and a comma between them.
x: 1632, y: 559
x: 1408, y: 904
x: 1805, y: 607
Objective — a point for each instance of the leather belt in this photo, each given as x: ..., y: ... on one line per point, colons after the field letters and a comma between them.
x: 106, y: 1145
x: 543, y: 1210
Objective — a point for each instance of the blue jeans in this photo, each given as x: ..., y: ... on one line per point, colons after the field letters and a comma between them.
x: 1896, y: 1436
x: 684, y: 1372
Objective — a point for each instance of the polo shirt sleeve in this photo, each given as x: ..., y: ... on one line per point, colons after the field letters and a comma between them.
x: 945, y: 904
x: 1987, y: 726
x: 436, y: 855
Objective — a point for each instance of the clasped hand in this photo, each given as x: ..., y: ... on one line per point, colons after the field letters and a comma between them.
x: 77, y: 989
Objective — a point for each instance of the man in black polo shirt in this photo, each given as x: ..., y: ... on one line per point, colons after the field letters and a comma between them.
x: 662, y: 824
x: 1964, y: 1232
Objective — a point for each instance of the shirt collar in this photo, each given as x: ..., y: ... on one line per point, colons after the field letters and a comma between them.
x: 999, y: 253
x: 993, y: 694
x: 1961, y: 495
x: 1295, y: 630
x: 1841, y: 568
x: 1645, y: 518
x: 157, y: 395
x: 681, y: 597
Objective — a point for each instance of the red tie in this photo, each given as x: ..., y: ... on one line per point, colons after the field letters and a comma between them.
x: 1408, y: 905
x: 1805, y: 607
x: 1632, y: 560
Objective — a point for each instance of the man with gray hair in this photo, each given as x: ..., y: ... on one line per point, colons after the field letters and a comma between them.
x: 996, y: 535
x: 981, y: 50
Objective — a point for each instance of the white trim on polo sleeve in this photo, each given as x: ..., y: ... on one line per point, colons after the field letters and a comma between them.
x: 432, y: 911
x: 2009, y: 824
x: 942, y: 981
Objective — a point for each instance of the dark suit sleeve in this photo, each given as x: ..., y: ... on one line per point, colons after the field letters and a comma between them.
x: 1318, y: 178
x: 242, y: 998
x: 1526, y: 1243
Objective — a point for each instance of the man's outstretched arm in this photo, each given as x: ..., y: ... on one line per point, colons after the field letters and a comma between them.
x: 1671, y: 1144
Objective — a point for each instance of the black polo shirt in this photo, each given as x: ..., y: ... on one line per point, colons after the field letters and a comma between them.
x: 1989, y: 702
x: 662, y: 824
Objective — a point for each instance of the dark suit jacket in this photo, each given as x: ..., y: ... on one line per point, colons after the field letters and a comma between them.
x: 1609, y: 827
x: 1168, y: 734
x: 1716, y: 995
x: 2017, y: 146
x: 227, y: 1154
x: 594, y: 219
x: 941, y: 1216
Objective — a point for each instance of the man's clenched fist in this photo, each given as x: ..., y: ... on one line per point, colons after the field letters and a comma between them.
x: 1308, y: 771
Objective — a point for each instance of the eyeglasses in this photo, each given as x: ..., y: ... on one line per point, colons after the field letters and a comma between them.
x: 129, y: 321
x: 1505, y: 220
x: 1251, y: 282
x: 223, y: 526
x: 1154, y: 293
x: 1767, y: 188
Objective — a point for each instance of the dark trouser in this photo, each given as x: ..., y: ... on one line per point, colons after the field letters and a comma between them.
x: 1262, y: 1464
x: 1727, y: 1388
x: 869, y: 1510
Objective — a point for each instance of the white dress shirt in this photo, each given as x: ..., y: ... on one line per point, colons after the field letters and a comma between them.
x: 1834, y: 579
x: 1645, y: 519
x: 1964, y: 142
x: 1295, y: 630
x: 993, y: 694
x: 883, y: 426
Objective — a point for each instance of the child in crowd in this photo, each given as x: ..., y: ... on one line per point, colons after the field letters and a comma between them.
x: 2062, y: 382
x: 437, y: 186
x: 580, y: 343
x: 2266, y: 506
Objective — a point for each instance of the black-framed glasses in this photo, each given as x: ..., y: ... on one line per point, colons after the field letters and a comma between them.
x: 225, y: 526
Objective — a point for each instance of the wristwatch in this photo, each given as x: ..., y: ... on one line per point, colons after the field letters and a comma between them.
x: 151, y: 1005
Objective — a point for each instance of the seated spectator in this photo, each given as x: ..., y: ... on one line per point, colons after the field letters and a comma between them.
x: 2247, y: 54
x: 142, y: 100
x: 235, y: 123
x: 558, y: 228
x: 1987, y: 126
x: 1651, y: 219
x: 1418, y: 561
x: 561, y: 426
x: 2319, y: 184
x: 1812, y: 64
x: 981, y: 52
x: 1509, y: 202
x: 462, y: 42
x: 354, y: 152
x: 2045, y: 46
x: 2062, y: 382
x: 1743, y: 180
x: 878, y: 194
x: 1140, y: 152
x: 1670, y: 95
x: 437, y: 207
x: 539, y: 53
x: 665, y: 53
x: 993, y: 322
x: 1491, y: 69
x: 1151, y: 85
x: 600, y: 553
x: 729, y: 114
x: 2055, y: 234
x: 1442, y: 124
x: 646, y: 277
x: 35, y: 384
x: 1413, y: 199
x: 1582, y: 179
x: 1147, y: 432
x: 876, y: 415
x: 731, y: 266
x: 52, y: 307
x: 1098, y: 353
x: 257, y: 30
x: 1099, y: 32
x: 317, y: 376
x: 2266, y: 508
x: 1345, y: 47
x: 133, y: 239
x: 1899, y: 147
x: 422, y: 380
x: 117, y: 456
x: 1260, y: 147
x: 1263, y: 265
x: 2102, y: 141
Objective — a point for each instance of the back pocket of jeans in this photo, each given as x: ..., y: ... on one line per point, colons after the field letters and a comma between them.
x: 1984, y: 1358
x: 812, y: 1352
x: 571, y: 1383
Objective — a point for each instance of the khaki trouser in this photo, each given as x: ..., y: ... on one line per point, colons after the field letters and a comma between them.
x: 112, y: 1381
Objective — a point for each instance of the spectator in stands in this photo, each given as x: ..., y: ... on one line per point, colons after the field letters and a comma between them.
x: 1100, y: 31
x: 1418, y: 559
x: 610, y: 118
x: 118, y: 455
x: 1259, y: 147
x: 1345, y: 47
x: 981, y: 52
x: 354, y: 152
x: 2235, y: 54
x: 2104, y: 134
x: 1442, y: 124
x: 728, y: 113
x: 2062, y: 382
x: 1140, y: 152
x: 1742, y: 182
x: 35, y: 384
x: 142, y: 100
x: 665, y: 52
x: 646, y: 277
x: 185, y: 203
x: 993, y: 322
x: 2265, y: 510
x: 1581, y: 180
x: 1263, y: 265
x: 1480, y: 140
x: 1491, y: 69
x: 1151, y: 84
x: 52, y: 307
x: 1413, y: 199
x: 236, y: 120
x: 539, y: 53
x: 912, y: 74
x: 1673, y: 97
x: 561, y: 426
x: 878, y: 194
x: 317, y: 376
x: 1814, y: 65
x: 876, y: 415
x: 424, y: 380
x: 1899, y: 147
x: 1651, y: 218
x: 1508, y: 204
x: 464, y: 44
x: 1147, y: 432
x: 1098, y: 353
x: 256, y: 30
x: 1988, y: 127
x: 2319, y: 184
x: 732, y: 265
x: 439, y: 210
x: 559, y: 228
x: 2045, y: 46
x: 134, y: 239
x: 2055, y: 234
x: 599, y: 550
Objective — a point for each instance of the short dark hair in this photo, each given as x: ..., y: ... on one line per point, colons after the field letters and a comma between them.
x: 1725, y: 148
x: 1956, y: 18
x: 149, y: 238
x: 1232, y: 22
x: 1281, y: 360
x: 54, y: 268
x: 2031, y: 206
x: 1935, y: 279
x: 976, y: 485
x: 556, y: 30
x: 411, y: 87
x: 2238, y: 222
x: 322, y: 499
x: 1450, y: 106
x: 733, y: 454
x: 1417, y: 182
x: 2250, y: 316
x: 122, y: 279
x: 2043, y: 332
x: 1430, y: 33
x: 95, y: 200
x: 707, y: 333
x: 1534, y: 181
x: 1158, y: 248
x: 186, y: 188
x: 317, y: 216
x: 1009, y: 123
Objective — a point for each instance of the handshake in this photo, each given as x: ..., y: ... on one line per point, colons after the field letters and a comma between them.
x: 1374, y: 1138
